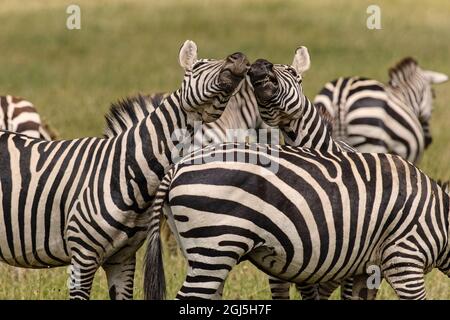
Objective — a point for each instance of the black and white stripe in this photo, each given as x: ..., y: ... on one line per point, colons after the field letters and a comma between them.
x: 240, y: 121
x: 20, y: 116
x: 240, y: 201
x: 84, y: 202
x: 392, y: 118
x: 321, y: 217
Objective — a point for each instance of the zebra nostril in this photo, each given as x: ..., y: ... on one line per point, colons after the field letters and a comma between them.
x: 268, y: 65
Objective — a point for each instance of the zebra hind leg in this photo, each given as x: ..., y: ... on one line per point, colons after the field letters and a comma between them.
x: 405, y: 276
x: 206, y: 275
x: 120, y: 277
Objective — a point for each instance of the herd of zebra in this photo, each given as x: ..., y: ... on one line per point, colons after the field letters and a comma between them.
x: 339, y: 194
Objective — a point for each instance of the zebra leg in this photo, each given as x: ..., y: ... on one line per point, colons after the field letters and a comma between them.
x: 120, y: 277
x: 327, y: 288
x: 309, y: 291
x: 405, y: 275
x: 347, y: 289
x: 205, y: 278
x: 279, y: 288
x: 82, y: 272
x: 84, y: 259
x: 359, y: 289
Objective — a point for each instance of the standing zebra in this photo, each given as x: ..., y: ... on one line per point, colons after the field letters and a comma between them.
x: 307, y: 129
x: 307, y: 133
x: 392, y: 118
x: 20, y: 116
x: 84, y: 202
x: 324, y: 214
x: 320, y: 217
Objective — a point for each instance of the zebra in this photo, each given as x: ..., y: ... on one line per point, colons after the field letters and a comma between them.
x: 308, y: 129
x: 321, y: 216
x: 389, y: 118
x: 85, y: 202
x: 302, y: 133
x: 19, y: 115
x: 285, y: 114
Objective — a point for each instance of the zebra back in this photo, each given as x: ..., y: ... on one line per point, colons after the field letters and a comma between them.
x: 19, y: 115
x: 377, y: 117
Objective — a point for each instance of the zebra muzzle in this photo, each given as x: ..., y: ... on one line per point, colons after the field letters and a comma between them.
x: 263, y: 79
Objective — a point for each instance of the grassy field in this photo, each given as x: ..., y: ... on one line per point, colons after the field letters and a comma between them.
x: 129, y: 46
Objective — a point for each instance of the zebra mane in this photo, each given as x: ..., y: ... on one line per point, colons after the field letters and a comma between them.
x: 325, y: 115
x: 126, y: 112
x: 406, y: 69
x: 445, y: 185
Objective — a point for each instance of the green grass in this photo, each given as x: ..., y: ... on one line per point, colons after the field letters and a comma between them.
x: 129, y: 46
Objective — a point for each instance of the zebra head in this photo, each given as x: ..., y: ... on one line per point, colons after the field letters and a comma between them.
x: 278, y: 89
x: 414, y: 83
x: 209, y: 84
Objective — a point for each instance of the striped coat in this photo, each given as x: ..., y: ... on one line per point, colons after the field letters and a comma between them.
x: 389, y: 118
x: 19, y: 115
x: 84, y: 202
x: 319, y: 217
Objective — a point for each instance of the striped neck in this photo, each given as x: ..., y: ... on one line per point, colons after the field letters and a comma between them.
x: 163, y: 126
x: 309, y: 130
x: 407, y: 84
x: 144, y: 152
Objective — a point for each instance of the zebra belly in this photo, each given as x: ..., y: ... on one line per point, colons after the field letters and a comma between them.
x: 267, y: 260
x: 35, y: 259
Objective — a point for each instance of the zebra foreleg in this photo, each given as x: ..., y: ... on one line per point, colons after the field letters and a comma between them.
x: 359, y: 289
x: 120, y: 277
x: 82, y: 273
x: 279, y: 288
x: 347, y: 289
x: 308, y: 291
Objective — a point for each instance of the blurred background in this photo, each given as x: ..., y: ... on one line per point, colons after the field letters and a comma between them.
x: 130, y: 46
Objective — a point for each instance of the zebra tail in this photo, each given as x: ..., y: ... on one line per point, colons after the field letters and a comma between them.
x: 154, y: 278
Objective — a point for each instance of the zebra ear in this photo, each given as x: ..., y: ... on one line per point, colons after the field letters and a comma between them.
x: 188, y: 54
x: 302, y: 60
x: 435, y: 77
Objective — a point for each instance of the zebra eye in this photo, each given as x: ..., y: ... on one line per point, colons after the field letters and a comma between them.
x: 292, y: 71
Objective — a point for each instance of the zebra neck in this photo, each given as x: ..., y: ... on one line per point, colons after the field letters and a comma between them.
x: 409, y: 97
x: 309, y: 130
x: 149, y: 146
x: 164, y: 125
